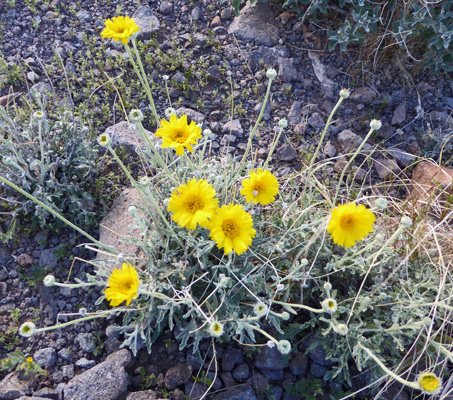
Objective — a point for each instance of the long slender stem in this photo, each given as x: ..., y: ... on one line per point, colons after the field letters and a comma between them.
x: 50, y: 328
x: 260, y: 331
x: 314, y: 310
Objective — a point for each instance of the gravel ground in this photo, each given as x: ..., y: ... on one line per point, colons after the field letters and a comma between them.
x: 218, y: 55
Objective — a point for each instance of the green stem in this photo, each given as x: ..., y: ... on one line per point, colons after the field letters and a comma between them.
x: 314, y: 310
x: 64, y: 325
x: 271, y: 151
x: 398, y: 378
x: 260, y: 331
x: 55, y: 214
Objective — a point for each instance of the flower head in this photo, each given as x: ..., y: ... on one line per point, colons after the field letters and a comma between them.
x: 260, y: 309
x: 232, y: 228
x: 122, y: 285
x: 261, y: 187
x: 49, y: 280
x: 216, y: 329
x: 284, y: 347
x: 429, y: 383
x: 193, y: 203
x: 345, y: 93
x: 39, y: 115
x: 29, y: 359
x: 136, y: 116
x: 375, y: 124
x: 120, y: 28
x: 342, y: 329
x: 329, y: 305
x: 350, y: 223
x: 178, y: 135
x: 104, y: 140
x: 27, y: 329
x: 271, y: 73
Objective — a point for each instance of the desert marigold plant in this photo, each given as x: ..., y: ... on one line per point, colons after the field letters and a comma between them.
x: 120, y: 28
x: 193, y: 203
x: 123, y: 285
x: 350, y: 223
x: 261, y: 187
x: 178, y: 134
x: 232, y: 228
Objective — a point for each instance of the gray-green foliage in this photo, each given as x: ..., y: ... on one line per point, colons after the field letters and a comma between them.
x: 58, y: 173
x: 424, y: 30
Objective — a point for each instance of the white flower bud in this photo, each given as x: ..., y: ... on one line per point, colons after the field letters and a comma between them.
x: 381, y: 203
x: 327, y: 286
x: 49, y: 280
x: 285, y: 316
x: 136, y: 116
x: 342, y: 329
x: 303, y: 262
x: 145, y: 181
x: 284, y: 347
x: 406, y: 221
x: 375, y: 124
x: 83, y: 311
x: 271, y: 73
x: 132, y: 209
x: 165, y: 77
x: 345, y: 93
x: 39, y: 116
x: 270, y: 344
x: 283, y: 123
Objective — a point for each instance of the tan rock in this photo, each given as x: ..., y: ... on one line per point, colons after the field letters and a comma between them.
x: 430, y: 180
x: 126, y: 134
x: 386, y: 167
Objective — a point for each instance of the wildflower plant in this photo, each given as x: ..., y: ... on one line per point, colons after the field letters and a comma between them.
x: 304, y: 258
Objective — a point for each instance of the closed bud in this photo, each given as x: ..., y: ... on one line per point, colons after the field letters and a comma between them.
x: 375, y: 124
x: 271, y: 73
x: 136, y: 116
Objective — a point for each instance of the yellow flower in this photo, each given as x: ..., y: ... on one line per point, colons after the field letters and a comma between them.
x: 177, y: 134
x: 232, y: 228
x: 350, y: 223
x: 123, y: 285
x: 120, y: 28
x: 429, y: 383
x: 262, y: 187
x: 29, y: 359
x: 193, y: 203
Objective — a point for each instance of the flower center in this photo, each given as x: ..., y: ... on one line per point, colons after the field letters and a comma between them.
x: 179, y: 136
x: 230, y: 228
x: 194, y: 205
x: 347, y: 222
x: 127, y: 286
x: 331, y: 304
x: 257, y: 187
x: 430, y: 383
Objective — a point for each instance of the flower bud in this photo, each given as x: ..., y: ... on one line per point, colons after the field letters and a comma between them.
x: 345, y: 93
x: 381, y: 203
x: 39, y: 116
x: 285, y: 316
x: 83, y: 311
x: 327, y: 286
x: 342, y: 329
x: 284, y: 347
x: 49, y: 280
x: 375, y: 124
x: 271, y: 73
x: 406, y: 221
x: 145, y: 181
x: 283, y: 123
x: 136, y: 116
x: 169, y: 111
x: 104, y: 140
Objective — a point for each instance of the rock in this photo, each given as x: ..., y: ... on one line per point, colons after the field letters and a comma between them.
x: 237, y: 393
x: 144, y: 395
x: 32, y: 76
x: 241, y: 372
x: 399, y: 115
x: 66, y: 354
x: 84, y: 363
x: 317, y: 370
x: 316, y: 121
x: 394, y: 393
x: 125, y: 134
x: 253, y: 25
x: 233, y: 127
x: 112, y: 331
x: 227, y: 139
x: 287, y: 153
x: 47, y: 393
x: 166, y: 7
x: 68, y: 371
x: 177, y: 375
x: 195, y: 390
x: 269, y: 55
x: 404, y: 159
x: 273, y: 375
x: 298, y: 364
x: 120, y: 222
x: 287, y: 71
x: 231, y: 358
x: 41, y: 91
x: 86, y: 342
x: 430, y: 179
x: 348, y: 141
x: 47, y: 259
x: 363, y: 95
x: 13, y: 386
x: 329, y: 150
x: 295, y: 113
x: 147, y: 21
x: 216, y: 21
x: 46, y: 357
x: 448, y: 101
x: 270, y: 358
x: 192, y: 115
x: 105, y: 381
x: 318, y: 355
x: 266, y: 112
x: 84, y: 16
x: 386, y: 167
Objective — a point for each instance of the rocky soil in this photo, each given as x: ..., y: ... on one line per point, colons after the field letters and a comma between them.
x: 220, y: 55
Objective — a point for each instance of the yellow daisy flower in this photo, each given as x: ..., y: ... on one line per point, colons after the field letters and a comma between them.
x: 122, y: 285
x: 193, y: 203
x: 177, y: 134
x: 29, y: 359
x: 261, y: 187
x: 429, y: 383
x: 120, y: 28
x: 350, y: 223
x: 232, y: 228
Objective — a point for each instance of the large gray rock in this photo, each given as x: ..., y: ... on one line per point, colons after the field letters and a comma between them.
x: 125, y: 134
x: 86, y: 342
x: 269, y: 55
x: 348, y: 141
x: 13, y: 386
x: 46, y: 357
x: 255, y: 24
x: 147, y: 21
x: 144, y: 395
x: 271, y: 359
x: 237, y: 393
x: 105, y: 381
x: 363, y: 95
x: 177, y: 375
